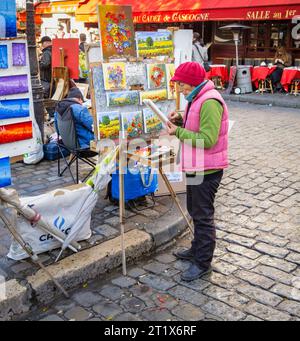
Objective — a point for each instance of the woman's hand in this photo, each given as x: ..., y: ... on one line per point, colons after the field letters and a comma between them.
x: 173, y: 116
x: 171, y: 128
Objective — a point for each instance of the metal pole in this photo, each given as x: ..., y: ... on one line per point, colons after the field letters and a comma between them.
x: 237, y: 53
x: 122, y: 202
x: 37, y: 89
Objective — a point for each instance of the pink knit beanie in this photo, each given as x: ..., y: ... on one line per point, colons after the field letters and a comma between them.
x: 191, y: 73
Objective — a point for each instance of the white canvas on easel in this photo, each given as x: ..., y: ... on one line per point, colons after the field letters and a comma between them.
x: 26, y: 146
x: 183, y: 44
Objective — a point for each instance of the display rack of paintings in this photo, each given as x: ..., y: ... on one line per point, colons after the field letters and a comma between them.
x: 17, y: 135
x: 133, y: 67
x: 112, y: 98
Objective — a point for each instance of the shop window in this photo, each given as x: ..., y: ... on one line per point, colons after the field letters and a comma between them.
x: 279, y: 35
x: 258, y: 36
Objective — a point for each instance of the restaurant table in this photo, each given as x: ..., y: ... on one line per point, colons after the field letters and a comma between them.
x: 218, y: 71
x: 289, y: 74
x: 261, y: 73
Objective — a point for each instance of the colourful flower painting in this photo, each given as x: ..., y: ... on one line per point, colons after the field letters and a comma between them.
x: 152, y: 124
x: 19, y: 54
x: 14, y: 108
x: 171, y: 86
x: 132, y: 124
x: 154, y: 95
x: 15, y: 132
x: 157, y: 76
x: 121, y: 98
x: 12, y: 85
x: 117, y: 31
x: 108, y: 125
x: 114, y: 76
x: 153, y: 44
x: 3, y: 57
x: 8, y: 19
x: 5, y: 172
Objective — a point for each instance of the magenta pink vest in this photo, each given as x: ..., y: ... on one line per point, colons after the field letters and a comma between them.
x: 199, y: 159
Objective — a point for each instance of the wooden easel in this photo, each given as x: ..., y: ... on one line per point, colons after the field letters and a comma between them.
x: 60, y: 75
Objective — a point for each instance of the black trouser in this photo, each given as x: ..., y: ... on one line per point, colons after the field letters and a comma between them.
x: 200, y: 204
x: 276, y: 77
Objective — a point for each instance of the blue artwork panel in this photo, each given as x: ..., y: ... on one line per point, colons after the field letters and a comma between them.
x: 5, y: 173
x: 14, y: 108
x: 8, y: 19
x: 3, y: 57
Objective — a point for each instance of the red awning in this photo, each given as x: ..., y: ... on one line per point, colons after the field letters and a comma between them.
x: 21, y: 15
x: 168, y: 11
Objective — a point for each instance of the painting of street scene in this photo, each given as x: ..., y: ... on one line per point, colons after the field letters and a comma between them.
x: 108, y: 125
x: 153, y: 44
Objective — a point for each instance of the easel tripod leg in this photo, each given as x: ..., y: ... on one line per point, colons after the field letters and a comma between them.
x: 28, y: 250
x: 175, y: 198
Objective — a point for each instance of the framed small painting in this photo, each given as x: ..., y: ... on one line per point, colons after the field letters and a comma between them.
x: 157, y: 76
x: 117, y: 31
x: 121, y: 98
x: 108, y: 125
x: 132, y: 124
x: 114, y: 76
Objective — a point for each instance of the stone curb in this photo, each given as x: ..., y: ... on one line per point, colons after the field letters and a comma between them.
x: 277, y: 102
x: 84, y: 266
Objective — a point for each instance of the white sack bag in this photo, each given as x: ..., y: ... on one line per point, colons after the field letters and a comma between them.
x: 60, y: 209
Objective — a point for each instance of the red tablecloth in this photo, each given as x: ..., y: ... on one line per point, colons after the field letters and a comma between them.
x: 218, y: 71
x: 288, y: 76
x: 261, y: 72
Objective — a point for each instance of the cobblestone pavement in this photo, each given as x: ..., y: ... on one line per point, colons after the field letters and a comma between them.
x: 256, y: 267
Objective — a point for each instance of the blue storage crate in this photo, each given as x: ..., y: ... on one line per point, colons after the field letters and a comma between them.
x: 133, y: 184
x: 51, y: 151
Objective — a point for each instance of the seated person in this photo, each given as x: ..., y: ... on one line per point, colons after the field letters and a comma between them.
x: 282, y: 59
x: 82, y: 118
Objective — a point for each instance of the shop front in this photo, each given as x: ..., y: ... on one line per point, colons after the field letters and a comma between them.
x: 272, y: 22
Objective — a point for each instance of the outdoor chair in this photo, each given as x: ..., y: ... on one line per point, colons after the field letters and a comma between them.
x: 68, y: 140
x: 218, y: 82
x: 265, y: 85
x: 295, y: 87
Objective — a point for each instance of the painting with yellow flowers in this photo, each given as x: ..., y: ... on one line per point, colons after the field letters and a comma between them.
x: 114, y: 76
x: 154, y: 95
x: 117, y: 31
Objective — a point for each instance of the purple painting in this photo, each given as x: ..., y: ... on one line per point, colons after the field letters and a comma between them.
x: 19, y: 54
x: 12, y: 85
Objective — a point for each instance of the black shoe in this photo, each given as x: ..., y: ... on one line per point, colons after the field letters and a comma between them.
x: 194, y: 272
x: 184, y: 254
